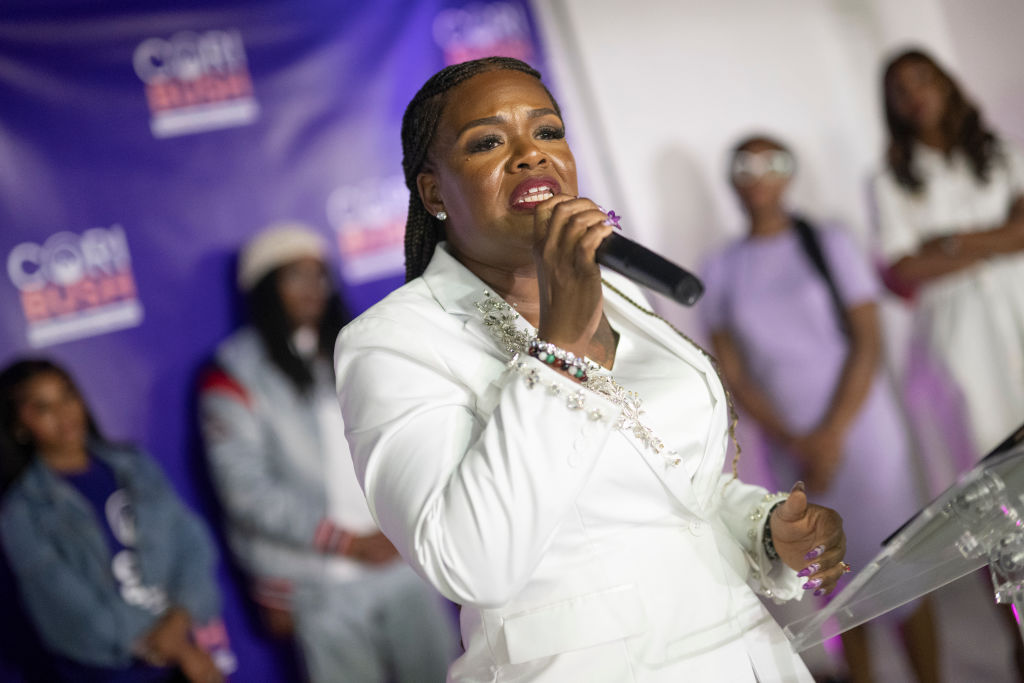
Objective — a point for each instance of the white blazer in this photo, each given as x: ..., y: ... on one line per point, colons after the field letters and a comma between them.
x: 576, y: 553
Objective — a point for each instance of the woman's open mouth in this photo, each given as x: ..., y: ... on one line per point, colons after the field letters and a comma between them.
x: 533, y: 191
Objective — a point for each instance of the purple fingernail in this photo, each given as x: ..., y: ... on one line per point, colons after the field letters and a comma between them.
x: 808, y: 570
x: 813, y: 583
x: 819, y: 592
x: 817, y: 550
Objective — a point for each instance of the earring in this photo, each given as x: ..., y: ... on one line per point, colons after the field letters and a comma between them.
x: 441, y: 215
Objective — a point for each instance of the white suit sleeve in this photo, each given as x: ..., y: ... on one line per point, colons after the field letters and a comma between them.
x: 744, y: 510
x: 470, y: 496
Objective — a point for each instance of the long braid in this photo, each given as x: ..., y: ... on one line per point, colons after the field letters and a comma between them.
x: 419, y: 124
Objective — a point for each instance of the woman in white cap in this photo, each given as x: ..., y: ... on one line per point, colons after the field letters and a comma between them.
x: 296, y: 519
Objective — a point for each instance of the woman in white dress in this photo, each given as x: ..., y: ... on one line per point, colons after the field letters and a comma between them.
x: 575, y: 508
x: 951, y: 226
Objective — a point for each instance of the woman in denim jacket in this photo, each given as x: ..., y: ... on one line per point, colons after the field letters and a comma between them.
x: 113, y: 569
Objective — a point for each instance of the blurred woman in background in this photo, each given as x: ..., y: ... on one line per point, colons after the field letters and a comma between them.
x: 793, y: 321
x: 950, y: 204
x: 115, y: 572
x: 297, y: 520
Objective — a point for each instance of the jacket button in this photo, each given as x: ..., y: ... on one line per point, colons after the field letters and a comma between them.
x: 696, y: 527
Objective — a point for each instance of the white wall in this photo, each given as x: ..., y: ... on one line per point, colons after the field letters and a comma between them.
x: 656, y: 92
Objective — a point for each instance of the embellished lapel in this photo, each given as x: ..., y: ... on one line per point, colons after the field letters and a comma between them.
x: 702, y: 484
x: 458, y: 292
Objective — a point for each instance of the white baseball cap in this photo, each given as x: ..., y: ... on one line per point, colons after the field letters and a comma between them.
x: 276, y: 245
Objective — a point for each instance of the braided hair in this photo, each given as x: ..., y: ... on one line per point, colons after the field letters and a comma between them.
x: 419, y: 124
x: 962, y: 125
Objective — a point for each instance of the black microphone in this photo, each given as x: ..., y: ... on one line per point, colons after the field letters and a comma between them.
x: 644, y: 267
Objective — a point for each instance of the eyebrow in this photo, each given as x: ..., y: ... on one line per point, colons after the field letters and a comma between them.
x: 497, y: 120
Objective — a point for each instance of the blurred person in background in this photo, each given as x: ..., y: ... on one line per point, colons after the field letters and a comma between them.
x: 297, y: 520
x: 793, y: 321
x: 116, y: 574
x: 950, y: 203
x: 950, y: 212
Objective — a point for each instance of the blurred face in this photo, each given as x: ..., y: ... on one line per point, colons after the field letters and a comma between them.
x: 760, y: 175
x: 918, y: 94
x: 304, y: 290
x: 51, y: 414
x: 499, y: 150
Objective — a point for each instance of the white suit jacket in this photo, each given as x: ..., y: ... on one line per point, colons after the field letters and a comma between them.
x: 576, y: 553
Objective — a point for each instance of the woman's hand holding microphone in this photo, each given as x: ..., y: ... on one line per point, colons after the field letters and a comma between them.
x: 567, y: 232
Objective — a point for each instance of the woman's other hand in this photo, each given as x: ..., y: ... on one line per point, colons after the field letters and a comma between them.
x: 567, y: 232
x: 810, y: 539
x: 198, y: 667
x: 371, y: 549
x: 164, y: 642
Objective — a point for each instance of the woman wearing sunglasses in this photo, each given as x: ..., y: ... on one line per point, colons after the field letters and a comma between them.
x: 793, y: 321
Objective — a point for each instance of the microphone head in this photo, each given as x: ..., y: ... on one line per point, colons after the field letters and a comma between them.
x: 688, y: 290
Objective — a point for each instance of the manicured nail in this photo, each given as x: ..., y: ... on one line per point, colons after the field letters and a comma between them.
x: 813, y: 583
x: 799, y: 486
x: 808, y: 570
x: 815, y: 552
x: 818, y: 593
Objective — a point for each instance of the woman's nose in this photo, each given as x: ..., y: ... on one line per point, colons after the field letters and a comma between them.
x: 527, y: 155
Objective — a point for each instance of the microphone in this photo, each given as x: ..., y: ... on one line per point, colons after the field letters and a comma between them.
x: 644, y: 267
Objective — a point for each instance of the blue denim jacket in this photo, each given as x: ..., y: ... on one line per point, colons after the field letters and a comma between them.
x: 58, y: 553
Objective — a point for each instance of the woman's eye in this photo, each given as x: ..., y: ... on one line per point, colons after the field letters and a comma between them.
x: 550, y: 133
x: 485, y: 143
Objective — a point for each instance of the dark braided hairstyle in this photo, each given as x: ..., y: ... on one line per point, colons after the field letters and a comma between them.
x: 962, y: 126
x: 419, y: 124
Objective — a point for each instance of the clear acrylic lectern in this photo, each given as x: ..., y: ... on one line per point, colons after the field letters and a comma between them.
x: 978, y: 521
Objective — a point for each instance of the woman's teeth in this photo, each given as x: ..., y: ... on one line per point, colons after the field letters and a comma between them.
x: 535, y: 194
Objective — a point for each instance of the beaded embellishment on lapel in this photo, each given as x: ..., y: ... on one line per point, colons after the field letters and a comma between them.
x: 500, y: 318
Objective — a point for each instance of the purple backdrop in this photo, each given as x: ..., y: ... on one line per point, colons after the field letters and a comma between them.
x: 142, y: 143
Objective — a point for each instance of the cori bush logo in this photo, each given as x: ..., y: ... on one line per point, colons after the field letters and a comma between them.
x: 74, y: 286
x: 484, y: 29
x: 369, y: 223
x: 196, y: 82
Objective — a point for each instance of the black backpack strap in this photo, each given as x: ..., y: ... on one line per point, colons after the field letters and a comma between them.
x: 812, y: 247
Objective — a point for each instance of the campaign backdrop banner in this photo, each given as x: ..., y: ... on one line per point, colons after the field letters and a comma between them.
x: 142, y: 143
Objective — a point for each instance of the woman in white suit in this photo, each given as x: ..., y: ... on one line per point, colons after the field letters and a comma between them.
x: 539, y: 446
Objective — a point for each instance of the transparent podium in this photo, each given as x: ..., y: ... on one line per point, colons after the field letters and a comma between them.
x: 979, y: 521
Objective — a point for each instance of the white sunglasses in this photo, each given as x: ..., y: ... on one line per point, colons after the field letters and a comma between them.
x: 748, y: 167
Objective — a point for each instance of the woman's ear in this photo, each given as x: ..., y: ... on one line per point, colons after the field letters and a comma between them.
x: 430, y: 192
